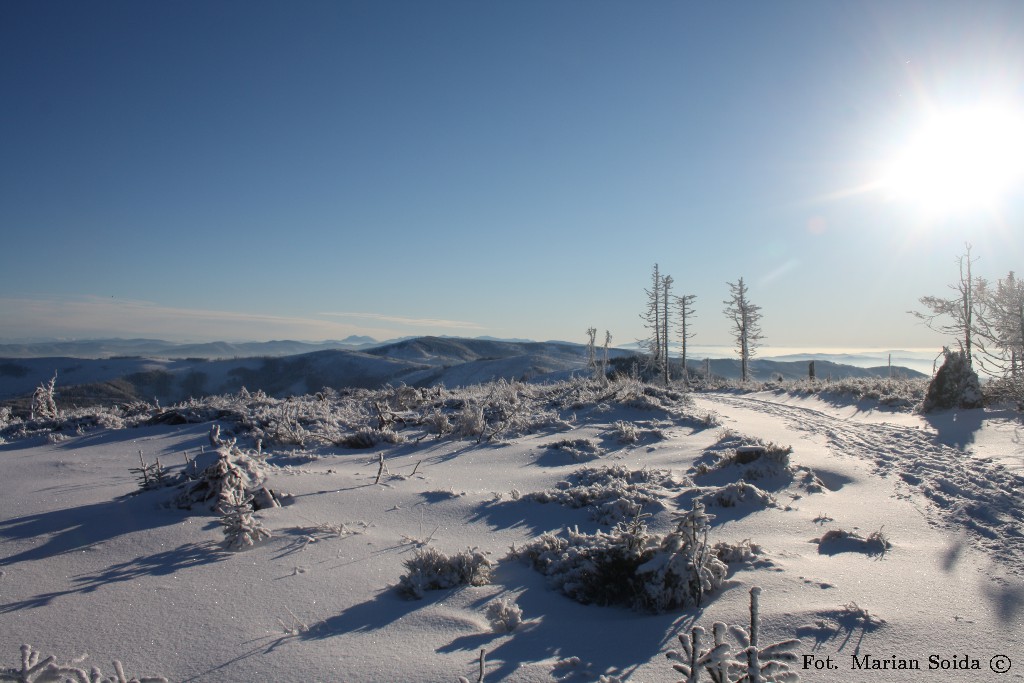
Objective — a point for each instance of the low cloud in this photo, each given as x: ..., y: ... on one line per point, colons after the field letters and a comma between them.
x: 97, y: 317
x: 415, y: 322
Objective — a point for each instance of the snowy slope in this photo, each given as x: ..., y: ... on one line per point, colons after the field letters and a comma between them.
x: 91, y: 572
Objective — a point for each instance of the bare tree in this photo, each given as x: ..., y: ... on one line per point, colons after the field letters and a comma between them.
x: 666, y: 289
x: 746, y: 324
x: 604, y: 361
x: 956, y: 316
x: 684, y: 308
x: 591, y: 352
x: 652, y: 318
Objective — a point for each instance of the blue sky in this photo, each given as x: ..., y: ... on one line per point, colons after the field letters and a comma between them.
x: 266, y: 170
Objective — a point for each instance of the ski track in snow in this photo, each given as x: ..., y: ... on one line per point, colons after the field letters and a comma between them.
x: 974, y: 494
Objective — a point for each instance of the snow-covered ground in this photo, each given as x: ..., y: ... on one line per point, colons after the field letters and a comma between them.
x: 92, y: 571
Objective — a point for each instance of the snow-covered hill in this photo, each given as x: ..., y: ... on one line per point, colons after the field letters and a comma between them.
x: 422, y: 361
x: 881, y: 537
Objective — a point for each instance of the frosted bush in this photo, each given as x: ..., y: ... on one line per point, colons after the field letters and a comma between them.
x: 841, y: 540
x: 470, y: 421
x: 758, y: 459
x: 232, y: 474
x: 581, y: 450
x: 438, y: 423
x: 431, y: 569
x: 630, y: 566
x: 241, y: 529
x: 504, y: 615
x: 736, y: 494
x: 614, y: 493
x: 631, y: 433
x: 744, y: 552
x: 625, y: 432
x: 368, y: 437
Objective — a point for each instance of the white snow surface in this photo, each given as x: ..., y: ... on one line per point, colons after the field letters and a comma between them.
x: 92, y: 571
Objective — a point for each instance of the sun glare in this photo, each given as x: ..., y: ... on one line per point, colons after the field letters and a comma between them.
x: 962, y: 159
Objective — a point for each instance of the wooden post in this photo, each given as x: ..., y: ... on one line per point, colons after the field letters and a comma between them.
x: 810, y: 370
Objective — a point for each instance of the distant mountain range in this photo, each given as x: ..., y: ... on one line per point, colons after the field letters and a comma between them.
x: 172, y: 372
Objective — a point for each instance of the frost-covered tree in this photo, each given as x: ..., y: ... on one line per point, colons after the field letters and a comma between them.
x: 955, y: 316
x: 604, y: 360
x: 1000, y: 329
x: 652, y: 318
x: 591, y: 350
x: 746, y: 324
x: 241, y: 529
x: 43, y: 403
x: 684, y: 310
x: 694, y: 657
x: 767, y: 664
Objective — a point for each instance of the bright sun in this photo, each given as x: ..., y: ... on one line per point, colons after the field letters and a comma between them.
x: 960, y: 159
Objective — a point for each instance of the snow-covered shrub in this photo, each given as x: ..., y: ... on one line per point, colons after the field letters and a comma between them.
x: 744, y: 552
x: 630, y: 433
x: 581, y: 450
x: 36, y: 670
x: 504, y: 615
x: 431, y: 569
x: 150, y: 476
x: 841, y: 540
x: 241, y: 529
x: 757, y: 458
x: 955, y: 385
x: 233, y: 473
x: 438, y: 423
x: 625, y: 432
x: 44, y: 405
x: 685, y: 567
x: 470, y: 421
x: 736, y: 494
x: 614, y: 493
x: 629, y: 565
x: 368, y: 437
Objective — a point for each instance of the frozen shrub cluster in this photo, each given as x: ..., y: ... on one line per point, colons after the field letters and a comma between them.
x: 756, y: 458
x: 46, y: 670
x: 431, y: 569
x: 614, y: 493
x: 737, y: 494
x: 744, y: 552
x: 581, y: 450
x: 470, y: 422
x: 234, y: 474
x: 626, y: 432
x: 504, y: 615
x: 631, y: 432
x: 368, y: 437
x: 354, y: 417
x: 841, y: 540
x: 630, y: 566
x: 751, y: 662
